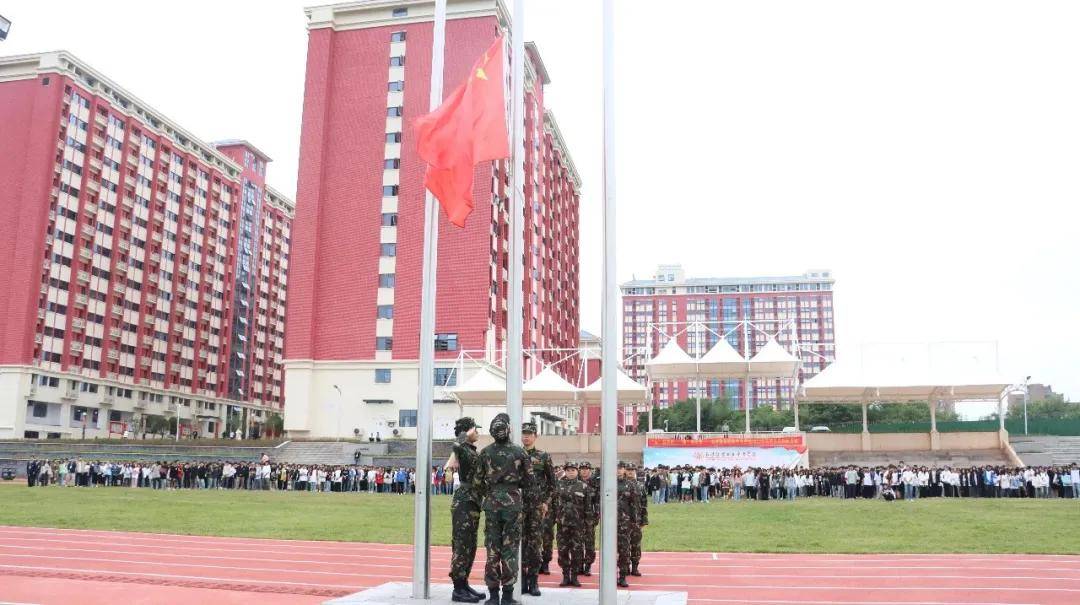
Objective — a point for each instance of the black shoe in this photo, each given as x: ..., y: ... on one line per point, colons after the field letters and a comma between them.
x: 574, y: 580
x: 634, y: 571
x: 494, y: 599
x: 533, y: 588
x: 476, y: 593
x: 565, y: 579
x: 508, y: 596
x: 586, y: 570
x: 622, y: 582
x: 461, y: 595
x: 545, y: 569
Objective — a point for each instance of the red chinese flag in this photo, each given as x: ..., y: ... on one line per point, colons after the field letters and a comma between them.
x: 468, y: 128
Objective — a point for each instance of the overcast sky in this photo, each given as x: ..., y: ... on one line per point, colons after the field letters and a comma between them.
x: 927, y: 152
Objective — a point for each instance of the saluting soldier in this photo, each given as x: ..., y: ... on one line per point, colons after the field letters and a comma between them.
x: 536, y: 518
x: 464, y: 511
x: 592, y: 516
x: 504, y: 481
x: 629, y: 505
x: 642, y: 521
x: 569, y: 509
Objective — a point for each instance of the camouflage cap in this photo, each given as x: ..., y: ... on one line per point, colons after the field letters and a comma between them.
x: 570, y: 464
x: 623, y: 464
x: 585, y: 464
x: 528, y: 427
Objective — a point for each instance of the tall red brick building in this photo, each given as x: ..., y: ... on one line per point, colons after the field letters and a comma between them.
x: 354, y: 294
x: 143, y: 271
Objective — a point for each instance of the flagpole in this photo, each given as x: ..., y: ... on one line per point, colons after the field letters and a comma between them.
x: 515, y: 293
x: 421, y: 588
x: 609, y: 452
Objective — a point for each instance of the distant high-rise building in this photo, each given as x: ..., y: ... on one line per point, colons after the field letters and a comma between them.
x: 670, y: 301
x: 354, y: 301
x: 142, y: 271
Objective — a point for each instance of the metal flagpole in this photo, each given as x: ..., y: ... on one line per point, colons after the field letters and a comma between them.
x: 515, y: 305
x: 422, y: 501
x: 608, y: 523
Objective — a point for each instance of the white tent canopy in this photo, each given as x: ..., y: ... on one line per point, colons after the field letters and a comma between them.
x: 672, y: 362
x: 548, y: 387
x: 773, y: 361
x: 852, y: 383
x: 628, y: 390
x: 485, y: 387
x: 722, y: 361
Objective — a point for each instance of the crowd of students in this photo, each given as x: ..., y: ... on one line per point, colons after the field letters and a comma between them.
x: 262, y: 475
x: 894, y: 482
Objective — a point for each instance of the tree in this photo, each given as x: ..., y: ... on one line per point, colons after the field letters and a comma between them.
x: 682, y: 416
x: 159, y: 425
x: 1052, y: 408
x: 275, y: 425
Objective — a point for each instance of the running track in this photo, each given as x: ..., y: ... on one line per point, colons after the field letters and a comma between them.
x: 61, y: 566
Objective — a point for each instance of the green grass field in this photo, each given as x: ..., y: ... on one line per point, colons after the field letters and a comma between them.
x: 809, y: 526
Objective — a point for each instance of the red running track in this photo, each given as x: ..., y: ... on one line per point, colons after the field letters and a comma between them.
x: 61, y: 566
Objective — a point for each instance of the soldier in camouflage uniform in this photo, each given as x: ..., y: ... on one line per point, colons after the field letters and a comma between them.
x: 464, y: 511
x: 592, y: 516
x: 569, y: 509
x: 643, y: 520
x: 532, y: 540
x: 629, y: 505
x: 504, y: 481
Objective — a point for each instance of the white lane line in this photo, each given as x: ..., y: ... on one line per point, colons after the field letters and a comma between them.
x: 774, y: 601
x: 729, y: 587
x: 252, y: 540
x: 144, y: 562
x: 232, y: 580
x: 207, y: 548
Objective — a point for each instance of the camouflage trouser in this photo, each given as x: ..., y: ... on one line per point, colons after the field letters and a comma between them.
x: 532, y: 537
x: 549, y: 535
x: 623, y: 544
x: 588, y: 543
x: 635, y: 544
x: 502, y: 537
x: 465, y: 519
x: 570, y: 547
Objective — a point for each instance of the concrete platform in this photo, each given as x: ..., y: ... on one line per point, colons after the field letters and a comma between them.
x: 400, y: 593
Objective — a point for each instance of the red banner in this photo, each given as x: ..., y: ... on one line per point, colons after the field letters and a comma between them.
x: 791, y: 442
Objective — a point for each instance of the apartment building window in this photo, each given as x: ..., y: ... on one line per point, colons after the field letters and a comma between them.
x: 48, y: 381
x: 389, y: 219
x: 397, y: 37
x: 393, y: 137
x: 396, y: 86
x: 384, y: 343
x: 392, y: 164
x: 407, y: 418
x: 388, y: 249
x: 445, y: 377
x: 386, y: 311
x: 382, y: 376
x: 398, y: 61
x: 390, y: 190
x: 41, y: 410
x: 401, y: 12
x: 446, y: 341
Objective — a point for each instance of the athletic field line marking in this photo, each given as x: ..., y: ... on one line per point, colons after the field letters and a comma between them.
x: 182, y: 577
x: 714, y: 600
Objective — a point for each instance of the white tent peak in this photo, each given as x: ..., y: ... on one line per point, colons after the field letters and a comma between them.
x: 722, y: 352
x: 671, y: 353
x: 772, y: 351
x: 623, y: 382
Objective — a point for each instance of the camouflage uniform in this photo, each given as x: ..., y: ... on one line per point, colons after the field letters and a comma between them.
x: 505, y: 482
x: 592, y: 518
x: 464, y: 510
x: 537, y: 526
x: 569, y: 510
x: 636, y: 532
x: 629, y: 512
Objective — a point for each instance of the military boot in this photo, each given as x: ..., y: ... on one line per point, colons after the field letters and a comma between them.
x: 508, y: 596
x: 532, y: 588
x: 476, y: 593
x: 586, y: 570
x: 461, y: 595
x: 622, y: 582
x: 545, y: 569
x: 634, y: 571
x: 494, y: 599
x: 573, y: 579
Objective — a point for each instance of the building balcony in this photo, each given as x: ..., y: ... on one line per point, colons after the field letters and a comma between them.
x: 90, y: 208
x: 85, y: 253
x: 148, y: 319
x: 81, y: 300
x: 121, y: 267
x: 117, y: 311
x: 38, y: 338
x: 114, y: 333
x: 120, y: 288
x: 78, y: 324
x: 76, y: 347
x: 145, y: 362
x: 98, y: 142
x: 93, y: 186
